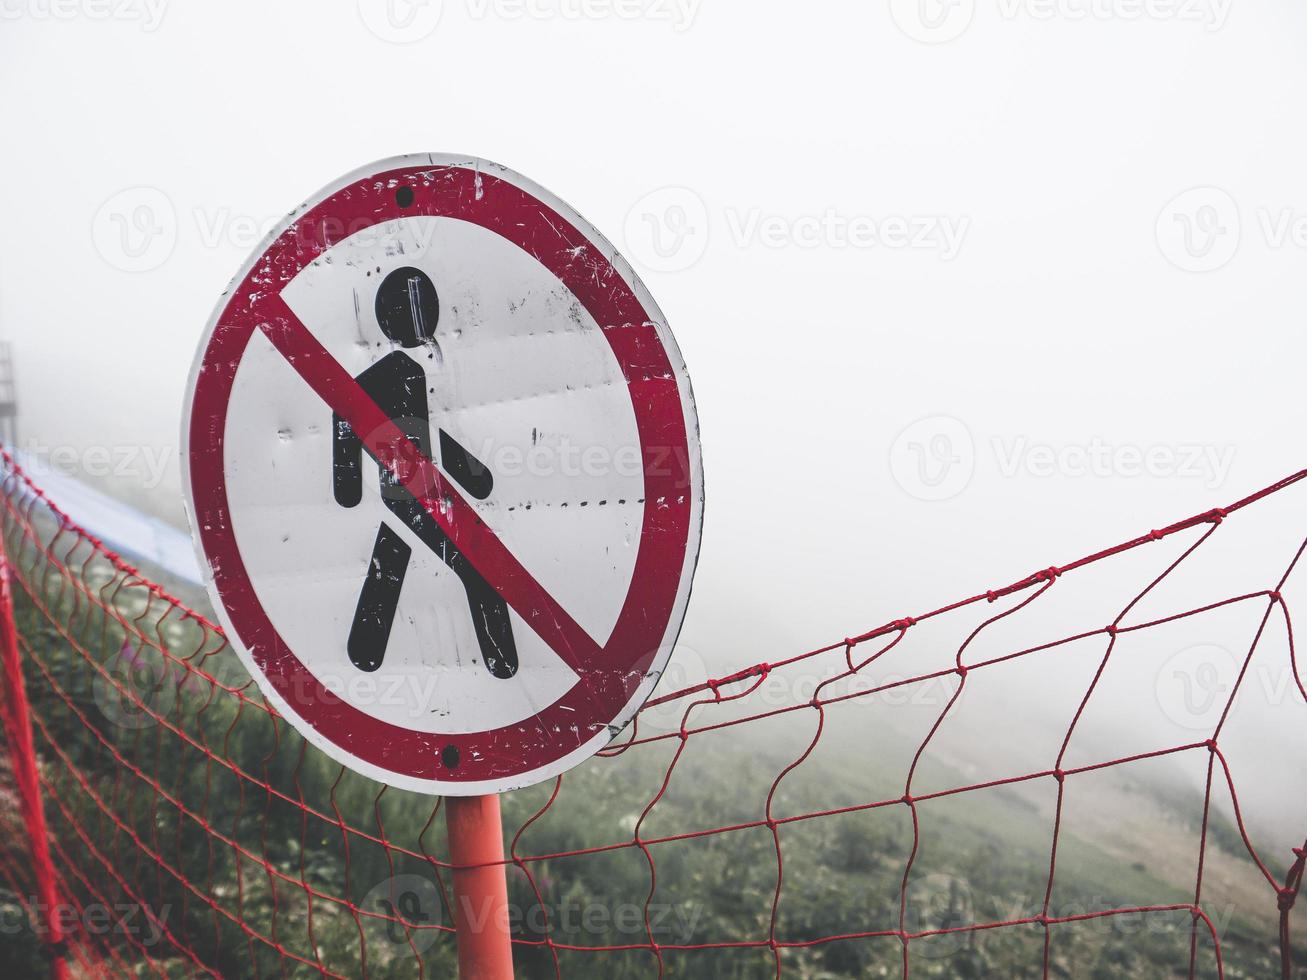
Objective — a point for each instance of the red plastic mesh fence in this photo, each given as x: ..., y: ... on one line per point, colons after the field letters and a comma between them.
x: 193, y: 832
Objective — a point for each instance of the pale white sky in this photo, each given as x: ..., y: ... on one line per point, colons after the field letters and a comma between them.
x: 1063, y: 234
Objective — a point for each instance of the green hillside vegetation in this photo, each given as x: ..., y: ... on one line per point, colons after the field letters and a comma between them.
x: 982, y: 857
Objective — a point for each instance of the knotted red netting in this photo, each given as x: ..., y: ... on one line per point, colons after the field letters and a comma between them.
x: 901, y: 802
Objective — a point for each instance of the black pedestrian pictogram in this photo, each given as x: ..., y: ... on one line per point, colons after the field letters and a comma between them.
x: 408, y: 308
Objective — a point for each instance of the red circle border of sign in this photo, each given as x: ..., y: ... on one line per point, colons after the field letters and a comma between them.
x: 598, y: 698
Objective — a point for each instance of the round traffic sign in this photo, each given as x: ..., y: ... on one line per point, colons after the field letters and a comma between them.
x: 442, y: 465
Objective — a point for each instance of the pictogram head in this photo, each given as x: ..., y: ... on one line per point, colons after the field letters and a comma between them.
x: 407, y: 307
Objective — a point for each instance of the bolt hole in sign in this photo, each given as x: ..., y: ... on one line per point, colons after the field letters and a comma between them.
x: 442, y: 465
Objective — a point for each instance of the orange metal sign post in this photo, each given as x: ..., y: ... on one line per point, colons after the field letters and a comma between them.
x: 476, y: 849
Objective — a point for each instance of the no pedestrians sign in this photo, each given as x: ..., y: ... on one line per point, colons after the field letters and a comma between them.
x: 442, y: 464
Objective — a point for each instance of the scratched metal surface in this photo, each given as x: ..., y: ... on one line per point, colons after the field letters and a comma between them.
x: 422, y: 433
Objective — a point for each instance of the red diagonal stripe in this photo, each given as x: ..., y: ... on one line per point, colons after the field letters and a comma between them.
x: 476, y: 539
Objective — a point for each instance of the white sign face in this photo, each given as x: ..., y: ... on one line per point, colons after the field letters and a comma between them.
x: 443, y: 466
